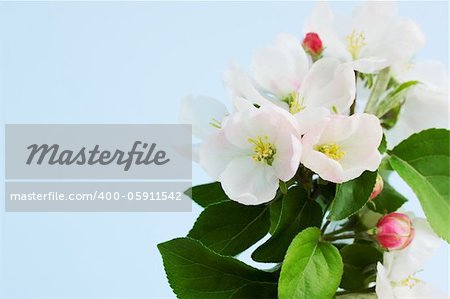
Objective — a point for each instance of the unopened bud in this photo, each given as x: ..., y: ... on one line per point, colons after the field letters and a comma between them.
x: 394, y: 231
x: 379, y: 184
x: 313, y: 44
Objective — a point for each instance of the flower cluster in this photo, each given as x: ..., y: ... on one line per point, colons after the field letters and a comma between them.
x: 291, y: 112
x: 304, y: 153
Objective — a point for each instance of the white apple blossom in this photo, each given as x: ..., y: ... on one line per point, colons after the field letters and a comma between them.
x: 395, y: 277
x: 254, y: 149
x: 283, y: 75
x: 373, y: 38
x: 342, y: 148
x: 426, y: 104
x: 204, y: 113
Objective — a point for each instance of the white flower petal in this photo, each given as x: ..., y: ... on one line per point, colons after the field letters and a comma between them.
x: 375, y: 9
x: 242, y: 104
x: 321, y: 18
x: 268, y: 120
x: 229, y: 155
x: 309, y: 118
x: 280, y: 68
x: 201, y: 111
x: 312, y: 137
x: 196, y: 152
x: 387, y: 36
x: 430, y: 72
x: 239, y: 85
x: 357, y: 162
x: 368, y: 131
x: 287, y: 158
x: 383, y: 286
x: 329, y: 83
x: 321, y: 21
x: 421, y: 290
x: 357, y: 296
x: 400, y: 43
x: 362, y: 146
x: 189, y: 151
x: 339, y: 128
x: 357, y: 137
x: 424, y: 108
x: 427, y: 101
x: 328, y: 169
x: 369, y: 65
x: 388, y: 39
x: 215, y: 154
x: 249, y: 182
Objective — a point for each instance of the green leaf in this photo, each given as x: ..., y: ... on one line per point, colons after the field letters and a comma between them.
x: 297, y: 213
x: 385, y: 165
x: 195, y: 271
x: 229, y: 228
x: 394, y: 98
x: 383, y: 145
x: 311, y: 268
x: 326, y: 194
x: 207, y: 194
x: 404, y: 86
x: 390, y: 118
x: 359, y: 266
x: 423, y: 162
x: 351, y: 196
x: 388, y: 201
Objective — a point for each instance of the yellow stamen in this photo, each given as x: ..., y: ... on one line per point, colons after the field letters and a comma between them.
x: 295, y: 102
x: 264, y: 151
x: 331, y: 150
x: 408, y: 282
x: 355, y: 42
x: 215, y: 123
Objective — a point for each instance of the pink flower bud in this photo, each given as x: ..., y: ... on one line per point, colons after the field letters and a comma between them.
x: 394, y: 231
x: 313, y: 44
x: 379, y: 183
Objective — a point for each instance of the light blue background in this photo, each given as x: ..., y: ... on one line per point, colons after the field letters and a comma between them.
x: 131, y: 62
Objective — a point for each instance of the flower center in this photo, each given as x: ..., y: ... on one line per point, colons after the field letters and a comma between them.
x: 331, y: 150
x: 355, y: 42
x: 264, y: 151
x: 295, y: 104
x: 409, y: 282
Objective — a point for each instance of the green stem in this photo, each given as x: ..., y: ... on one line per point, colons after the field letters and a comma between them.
x: 324, y: 228
x: 340, y: 237
x: 363, y: 291
x: 379, y: 87
x: 338, y: 231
